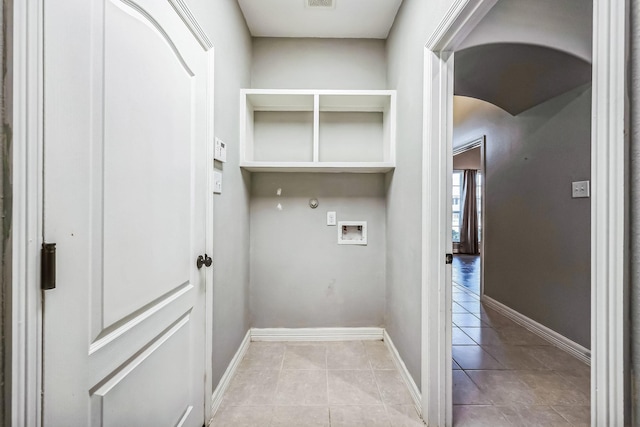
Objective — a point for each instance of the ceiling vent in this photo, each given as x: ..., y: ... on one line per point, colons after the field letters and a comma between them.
x: 325, y: 4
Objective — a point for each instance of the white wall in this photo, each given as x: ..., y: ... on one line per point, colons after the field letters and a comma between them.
x: 225, y: 25
x: 560, y: 24
x: 300, y: 276
x: 537, y: 245
x: 288, y: 63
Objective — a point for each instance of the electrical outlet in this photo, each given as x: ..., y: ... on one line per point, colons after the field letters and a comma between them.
x: 580, y: 189
x: 331, y: 218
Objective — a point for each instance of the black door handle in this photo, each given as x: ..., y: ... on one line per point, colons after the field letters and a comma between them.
x: 204, y: 260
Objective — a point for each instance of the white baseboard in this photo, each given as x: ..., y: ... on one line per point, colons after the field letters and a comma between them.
x: 218, y: 393
x: 316, y: 334
x: 542, y: 331
x: 414, y: 391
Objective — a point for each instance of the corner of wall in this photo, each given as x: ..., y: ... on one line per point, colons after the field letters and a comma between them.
x: 403, y: 311
x: 225, y: 25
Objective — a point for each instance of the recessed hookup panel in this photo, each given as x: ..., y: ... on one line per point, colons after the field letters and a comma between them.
x: 352, y: 232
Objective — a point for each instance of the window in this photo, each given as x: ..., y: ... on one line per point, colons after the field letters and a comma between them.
x: 479, y: 204
x: 457, y: 193
x: 456, y: 220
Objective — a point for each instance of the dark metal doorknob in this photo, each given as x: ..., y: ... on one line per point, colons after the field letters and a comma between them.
x: 204, y: 260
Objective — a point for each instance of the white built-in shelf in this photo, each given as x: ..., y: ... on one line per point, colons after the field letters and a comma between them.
x: 318, y: 130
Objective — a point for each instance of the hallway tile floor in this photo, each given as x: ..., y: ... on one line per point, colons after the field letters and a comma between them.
x: 296, y: 384
x: 466, y: 272
x: 504, y: 375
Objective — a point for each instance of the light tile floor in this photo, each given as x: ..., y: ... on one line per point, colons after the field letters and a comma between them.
x: 350, y: 384
x: 504, y: 375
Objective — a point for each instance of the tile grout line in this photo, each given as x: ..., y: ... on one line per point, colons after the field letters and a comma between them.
x: 275, y: 397
x: 561, y: 416
x: 326, y: 374
x: 464, y: 290
x: 375, y: 378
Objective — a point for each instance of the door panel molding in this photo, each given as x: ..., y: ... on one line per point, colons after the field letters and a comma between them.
x: 166, y: 392
x: 102, y: 187
x: 120, y: 373
x: 141, y: 13
x: 192, y: 23
x: 128, y: 323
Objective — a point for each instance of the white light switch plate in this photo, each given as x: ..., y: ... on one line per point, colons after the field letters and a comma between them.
x: 220, y: 151
x: 331, y: 218
x: 580, y: 189
x: 217, y: 182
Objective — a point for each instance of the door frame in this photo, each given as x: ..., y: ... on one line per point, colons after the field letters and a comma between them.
x: 479, y: 142
x: 24, y: 343
x: 24, y: 349
x: 609, y: 253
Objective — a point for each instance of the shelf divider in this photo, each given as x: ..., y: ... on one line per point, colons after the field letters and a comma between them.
x: 316, y: 128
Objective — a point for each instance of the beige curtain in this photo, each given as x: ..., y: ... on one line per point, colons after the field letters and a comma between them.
x: 469, y: 214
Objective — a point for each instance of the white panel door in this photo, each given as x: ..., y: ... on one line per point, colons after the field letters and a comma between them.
x: 127, y: 126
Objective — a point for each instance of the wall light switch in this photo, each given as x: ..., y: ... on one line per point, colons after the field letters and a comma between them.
x: 220, y: 151
x: 217, y: 182
x: 580, y: 189
x: 331, y: 218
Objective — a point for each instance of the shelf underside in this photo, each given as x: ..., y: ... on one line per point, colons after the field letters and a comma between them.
x: 327, y: 167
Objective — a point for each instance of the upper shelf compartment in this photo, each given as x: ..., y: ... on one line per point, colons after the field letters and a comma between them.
x: 317, y: 130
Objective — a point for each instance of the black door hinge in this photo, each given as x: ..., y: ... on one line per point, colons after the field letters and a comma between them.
x: 448, y: 259
x: 48, y: 266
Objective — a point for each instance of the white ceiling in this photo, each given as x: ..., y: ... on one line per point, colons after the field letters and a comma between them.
x: 371, y: 19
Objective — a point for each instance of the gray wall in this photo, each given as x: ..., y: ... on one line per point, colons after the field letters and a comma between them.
x: 564, y: 25
x: 634, y: 90
x: 225, y: 25
x: 537, y: 238
x: 300, y: 276
x: 405, y: 55
x: 287, y: 63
